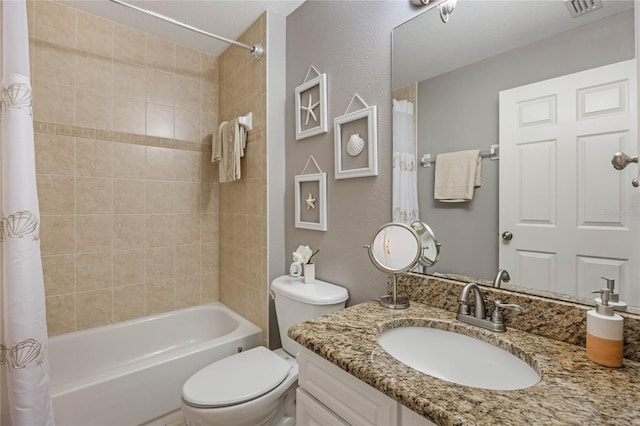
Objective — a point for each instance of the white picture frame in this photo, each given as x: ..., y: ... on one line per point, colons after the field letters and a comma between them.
x: 312, y: 186
x: 308, y: 110
x: 365, y: 163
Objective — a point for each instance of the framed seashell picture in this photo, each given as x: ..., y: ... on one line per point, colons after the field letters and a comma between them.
x: 356, y: 142
x: 311, y: 105
x: 311, y: 201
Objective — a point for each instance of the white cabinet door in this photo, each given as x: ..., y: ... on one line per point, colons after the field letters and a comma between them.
x: 574, y: 218
x: 310, y: 412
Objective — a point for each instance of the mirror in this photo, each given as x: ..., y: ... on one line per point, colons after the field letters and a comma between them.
x: 454, y: 73
x: 430, y: 252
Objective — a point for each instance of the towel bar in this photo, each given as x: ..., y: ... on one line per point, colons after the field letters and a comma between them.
x: 493, y: 153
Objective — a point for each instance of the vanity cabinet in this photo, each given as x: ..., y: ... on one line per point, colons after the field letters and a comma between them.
x: 329, y: 395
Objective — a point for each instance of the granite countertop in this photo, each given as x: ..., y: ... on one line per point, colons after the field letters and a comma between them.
x: 572, y: 389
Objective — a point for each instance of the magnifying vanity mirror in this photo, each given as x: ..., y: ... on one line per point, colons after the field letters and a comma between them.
x: 558, y: 95
x: 396, y: 248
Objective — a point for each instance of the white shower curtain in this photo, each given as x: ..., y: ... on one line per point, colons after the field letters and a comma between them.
x: 405, y: 190
x: 23, y: 353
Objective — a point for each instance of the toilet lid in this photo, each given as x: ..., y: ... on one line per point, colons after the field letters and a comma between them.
x: 236, y: 379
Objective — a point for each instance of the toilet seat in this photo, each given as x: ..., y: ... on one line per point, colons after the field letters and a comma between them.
x: 236, y: 379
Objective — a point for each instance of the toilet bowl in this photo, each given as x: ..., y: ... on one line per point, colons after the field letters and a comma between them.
x: 258, y: 386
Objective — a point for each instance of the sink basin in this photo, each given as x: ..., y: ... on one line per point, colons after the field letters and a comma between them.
x: 457, y: 358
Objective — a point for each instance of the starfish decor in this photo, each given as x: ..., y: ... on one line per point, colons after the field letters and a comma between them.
x: 309, y: 108
x: 311, y: 202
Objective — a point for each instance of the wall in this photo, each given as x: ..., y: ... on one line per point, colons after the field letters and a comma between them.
x: 469, y: 95
x: 351, y: 42
x: 243, y: 203
x: 128, y: 196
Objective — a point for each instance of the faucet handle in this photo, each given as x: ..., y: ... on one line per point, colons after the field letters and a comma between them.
x: 497, y: 317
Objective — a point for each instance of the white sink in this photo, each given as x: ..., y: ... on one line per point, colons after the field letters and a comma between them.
x: 457, y: 358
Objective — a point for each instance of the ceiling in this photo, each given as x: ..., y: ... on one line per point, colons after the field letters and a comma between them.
x: 227, y: 18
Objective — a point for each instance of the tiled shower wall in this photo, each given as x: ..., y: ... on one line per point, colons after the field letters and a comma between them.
x: 243, y: 204
x: 128, y: 195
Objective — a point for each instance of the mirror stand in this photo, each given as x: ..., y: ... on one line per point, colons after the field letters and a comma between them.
x: 392, y: 301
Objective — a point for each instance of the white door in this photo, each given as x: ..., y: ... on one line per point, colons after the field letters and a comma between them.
x: 573, y: 217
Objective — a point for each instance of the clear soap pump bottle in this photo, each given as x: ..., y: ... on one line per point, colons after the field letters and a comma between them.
x: 605, y: 331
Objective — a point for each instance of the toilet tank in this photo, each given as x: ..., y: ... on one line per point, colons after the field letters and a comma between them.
x: 297, y: 302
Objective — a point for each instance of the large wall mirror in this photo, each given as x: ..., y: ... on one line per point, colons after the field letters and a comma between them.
x: 558, y: 94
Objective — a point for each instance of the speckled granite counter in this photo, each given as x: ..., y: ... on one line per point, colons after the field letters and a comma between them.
x: 573, y: 390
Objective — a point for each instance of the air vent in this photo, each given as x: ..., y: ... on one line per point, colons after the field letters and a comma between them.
x: 582, y: 7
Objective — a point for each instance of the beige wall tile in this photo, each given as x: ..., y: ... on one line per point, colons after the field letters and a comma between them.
x: 94, y: 110
x: 159, y: 197
x: 94, y: 308
x: 55, y: 23
x: 57, y: 235
x: 187, y: 291
x: 160, y: 230
x: 209, y: 228
x: 160, y: 263
x: 187, y: 197
x: 94, y: 271
x: 187, y: 260
x: 61, y: 314
x: 128, y: 231
x: 208, y: 68
x: 129, y: 161
x: 187, y: 228
x: 129, y: 115
x: 94, y: 73
x: 56, y: 194
x: 160, y: 53
x: 94, y: 34
x: 209, y: 98
x: 94, y: 158
x: 94, y: 195
x: 129, y: 44
x: 187, y: 125
x: 186, y: 166
x: 159, y: 163
x: 59, y: 274
x: 129, y: 267
x: 129, y: 80
x: 208, y: 170
x: 187, y: 61
x: 128, y: 302
x: 187, y: 93
x: 94, y: 233
x: 55, y: 154
x: 54, y: 103
x: 209, y: 288
x: 210, y: 258
x: 160, y: 87
x: 160, y: 120
x: 208, y: 127
x: 129, y: 196
x: 160, y: 296
x: 54, y: 63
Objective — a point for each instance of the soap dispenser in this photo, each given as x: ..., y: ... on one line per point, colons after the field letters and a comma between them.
x: 614, y: 300
x: 605, y: 333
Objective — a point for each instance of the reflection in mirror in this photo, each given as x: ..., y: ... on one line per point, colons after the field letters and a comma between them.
x: 559, y: 96
x: 430, y: 252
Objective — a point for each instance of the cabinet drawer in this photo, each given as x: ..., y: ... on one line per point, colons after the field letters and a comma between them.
x: 348, y: 397
x: 311, y: 412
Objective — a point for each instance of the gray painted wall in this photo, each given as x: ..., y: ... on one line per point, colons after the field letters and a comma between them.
x: 351, y: 42
x: 465, y: 116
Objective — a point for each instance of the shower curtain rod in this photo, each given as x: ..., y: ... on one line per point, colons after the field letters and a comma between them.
x: 257, y: 50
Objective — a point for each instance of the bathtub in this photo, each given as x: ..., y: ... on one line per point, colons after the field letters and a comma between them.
x: 132, y: 372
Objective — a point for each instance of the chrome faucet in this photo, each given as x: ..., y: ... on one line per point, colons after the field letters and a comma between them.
x: 479, y: 317
x: 503, y: 275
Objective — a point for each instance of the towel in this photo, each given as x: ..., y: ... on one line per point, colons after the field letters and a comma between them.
x: 227, y: 150
x: 457, y: 173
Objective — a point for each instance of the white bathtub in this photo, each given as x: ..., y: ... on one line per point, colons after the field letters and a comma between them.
x: 132, y: 372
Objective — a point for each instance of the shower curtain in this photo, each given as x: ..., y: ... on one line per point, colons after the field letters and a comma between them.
x: 405, y: 189
x: 23, y: 353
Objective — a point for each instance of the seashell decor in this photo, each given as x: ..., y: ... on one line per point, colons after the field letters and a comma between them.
x: 20, y: 224
x: 355, y: 145
x: 24, y: 352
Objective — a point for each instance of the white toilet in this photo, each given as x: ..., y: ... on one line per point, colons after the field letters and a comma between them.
x: 258, y: 386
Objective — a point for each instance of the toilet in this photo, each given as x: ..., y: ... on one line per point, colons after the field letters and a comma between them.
x: 258, y: 386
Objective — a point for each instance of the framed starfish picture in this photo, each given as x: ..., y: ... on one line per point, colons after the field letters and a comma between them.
x: 311, y: 201
x: 311, y: 106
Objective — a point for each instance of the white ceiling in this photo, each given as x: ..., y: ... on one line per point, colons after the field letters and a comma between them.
x: 227, y: 18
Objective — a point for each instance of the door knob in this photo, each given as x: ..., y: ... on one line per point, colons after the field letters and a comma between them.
x: 621, y: 160
x: 507, y: 235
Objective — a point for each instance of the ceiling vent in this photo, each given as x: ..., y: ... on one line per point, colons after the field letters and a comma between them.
x: 582, y: 7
